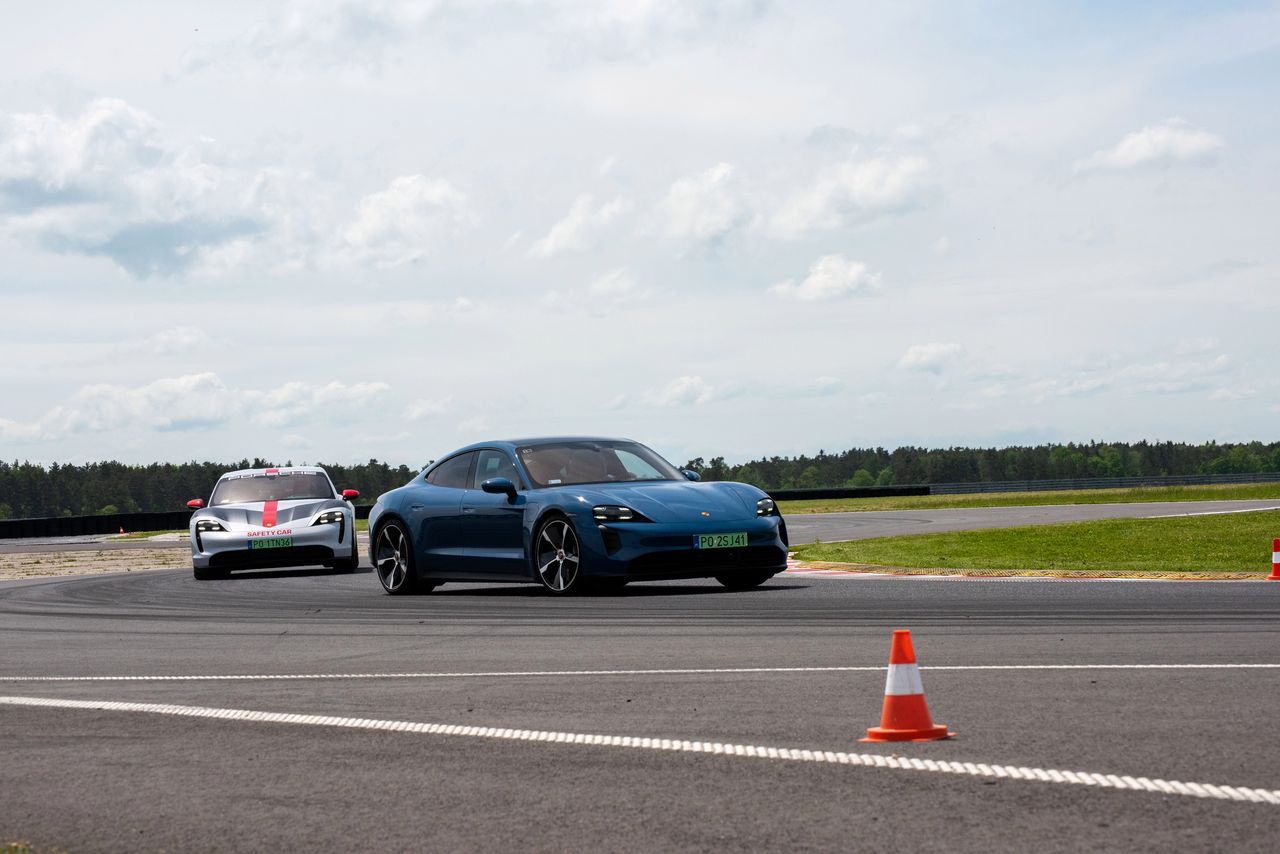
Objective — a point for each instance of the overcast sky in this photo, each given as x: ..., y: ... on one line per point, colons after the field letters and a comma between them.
x: 335, y: 231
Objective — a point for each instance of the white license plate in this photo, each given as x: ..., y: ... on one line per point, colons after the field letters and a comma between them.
x: 271, y: 543
x: 719, y: 541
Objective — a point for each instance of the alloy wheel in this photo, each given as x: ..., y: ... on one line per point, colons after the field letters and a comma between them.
x: 557, y: 555
x: 391, y: 558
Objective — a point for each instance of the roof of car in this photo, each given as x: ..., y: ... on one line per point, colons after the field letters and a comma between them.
x: 553, y: 440
x: 273, y: 470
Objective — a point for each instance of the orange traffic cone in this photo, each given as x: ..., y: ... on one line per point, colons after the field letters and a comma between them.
x: 905, y: 716
x: 1275, y: 561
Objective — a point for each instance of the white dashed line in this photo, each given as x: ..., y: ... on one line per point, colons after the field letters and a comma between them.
x: 1214, y: 513
x: 683, y: 671
x: 787, y: 754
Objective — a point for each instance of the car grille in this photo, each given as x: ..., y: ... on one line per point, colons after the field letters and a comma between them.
x: 295, y: 556
x: 710, y: 561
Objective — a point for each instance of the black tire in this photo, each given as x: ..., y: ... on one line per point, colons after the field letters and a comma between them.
x: 349, y: 564
x: 744, y: 580
x: 557, y: 557
x: 392, y: 554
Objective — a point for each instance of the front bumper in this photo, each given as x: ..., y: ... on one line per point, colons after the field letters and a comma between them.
x: 650, y: 551
x: 312, y: 545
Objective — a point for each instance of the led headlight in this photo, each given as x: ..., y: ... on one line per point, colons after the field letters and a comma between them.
x: 329, y: 517
x: 616, y: 513
x: 208, y: 526
x: 766, y: 507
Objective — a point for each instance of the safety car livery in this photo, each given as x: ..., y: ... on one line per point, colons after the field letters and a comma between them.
x: 273, y: 517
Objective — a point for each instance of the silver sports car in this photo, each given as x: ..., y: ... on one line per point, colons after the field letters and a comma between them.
x: 273, y: 517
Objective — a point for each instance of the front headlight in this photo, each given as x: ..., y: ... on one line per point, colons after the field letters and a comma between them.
x: 209, y: 526
x: 329, y: 517
x: 766, y: 507
x: 616, y: 513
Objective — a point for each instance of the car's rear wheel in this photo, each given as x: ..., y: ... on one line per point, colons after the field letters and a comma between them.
x: 744, y: 580
x: 393, y: 561
x: 557, y: 556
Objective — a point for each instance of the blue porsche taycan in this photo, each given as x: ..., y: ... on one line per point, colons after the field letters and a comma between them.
x: 571, y: 514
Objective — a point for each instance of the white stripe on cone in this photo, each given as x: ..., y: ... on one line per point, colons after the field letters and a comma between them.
x: 903, y: 679
x: 1275, y: 558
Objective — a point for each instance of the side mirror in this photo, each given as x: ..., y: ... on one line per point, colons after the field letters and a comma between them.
x: 349, y: 494
x: 691, y: 474
x: 500, y: 486
x: 195, y: 503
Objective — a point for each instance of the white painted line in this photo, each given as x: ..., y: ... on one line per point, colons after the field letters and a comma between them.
x: 788, y: 754
x: 1214, y: 513
x: 683, y: 671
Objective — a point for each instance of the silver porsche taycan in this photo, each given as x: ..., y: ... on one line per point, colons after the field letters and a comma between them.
x: 273, y: 518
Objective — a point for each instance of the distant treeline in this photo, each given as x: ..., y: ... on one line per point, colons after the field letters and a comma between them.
x: 29, y: 490
x: 879, y: 467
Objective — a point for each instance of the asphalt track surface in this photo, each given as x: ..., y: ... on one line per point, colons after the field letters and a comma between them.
x: 1134, y: 679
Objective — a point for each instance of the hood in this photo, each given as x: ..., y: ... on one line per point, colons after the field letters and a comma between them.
x: 677, y: 500
x: 250, y: 514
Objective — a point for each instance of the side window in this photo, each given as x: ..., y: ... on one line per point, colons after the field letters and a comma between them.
x: 494, y: 464
x: 452, y: 473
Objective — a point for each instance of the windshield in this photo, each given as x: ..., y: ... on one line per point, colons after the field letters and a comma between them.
x: 286, y: 486
x: 568, y: 463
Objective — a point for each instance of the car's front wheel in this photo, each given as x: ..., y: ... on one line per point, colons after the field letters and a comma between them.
x: 557, y: 556
x: 349, y: 564
x: 393, y: 561
x: 744, y: 580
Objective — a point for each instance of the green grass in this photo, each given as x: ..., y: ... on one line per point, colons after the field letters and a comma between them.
x: 362, y: 525
x: 1012, y: 499
x: 1237, y: 542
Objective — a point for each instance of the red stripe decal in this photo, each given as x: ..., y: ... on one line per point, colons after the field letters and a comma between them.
x: 269, y: 514
x: 273, y: 471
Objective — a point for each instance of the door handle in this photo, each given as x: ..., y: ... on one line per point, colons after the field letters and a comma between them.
x: 417, y: 506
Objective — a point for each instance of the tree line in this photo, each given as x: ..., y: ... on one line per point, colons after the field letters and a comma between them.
x: 916, y: 466
x: 28, y: 490
x: 31, y: 490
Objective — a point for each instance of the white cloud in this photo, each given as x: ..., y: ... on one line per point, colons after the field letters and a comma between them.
x: 1197, y: 345
x: 108, y: 183
x: 1162, y: 377
x: 346, y: 33
x: 296, y: 402
x: 175, y: 341
x: 407, y: 220
x: 830, y: 277
x: 854, y: 192
x: 933, y: 357
x: 704, y: 207
x: 1170, y: 141
x: 1230, y: 394
x: 580, y: 227
x: 191, y: 402
x: 425, y: 408
x: 682, y: 391
x: 616, y: 283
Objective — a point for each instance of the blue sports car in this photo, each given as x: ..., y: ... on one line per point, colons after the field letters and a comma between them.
x: 571, y: 514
